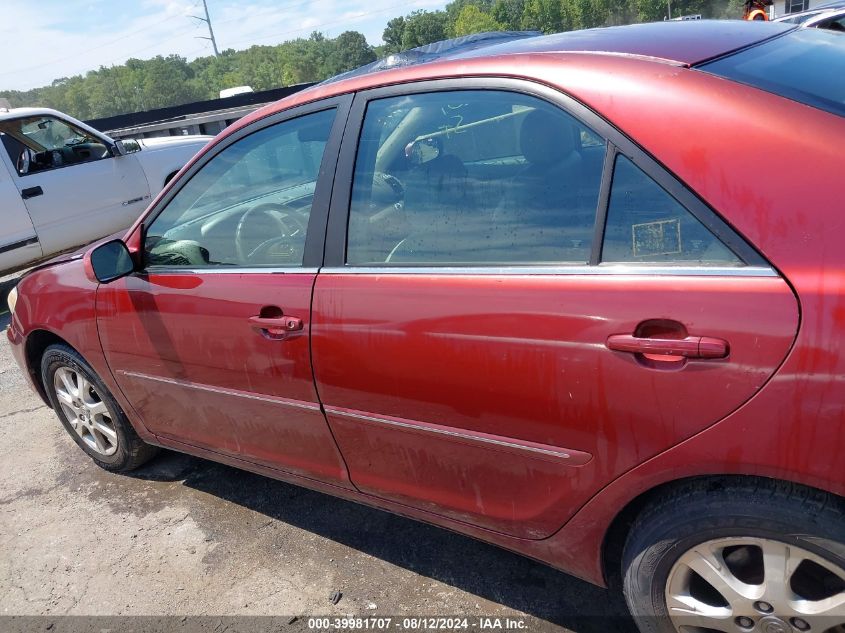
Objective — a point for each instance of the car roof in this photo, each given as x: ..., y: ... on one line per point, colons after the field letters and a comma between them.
x: 682, y: 43
x: 686, y: 42
x: 16, y: 113
x: 679, y: 43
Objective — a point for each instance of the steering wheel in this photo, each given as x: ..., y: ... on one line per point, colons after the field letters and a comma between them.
x: 387, y: 188
x: 286, y: 226
x: 24, y: 161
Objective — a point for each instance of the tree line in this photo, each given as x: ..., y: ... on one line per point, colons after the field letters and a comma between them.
x: 159, y: 82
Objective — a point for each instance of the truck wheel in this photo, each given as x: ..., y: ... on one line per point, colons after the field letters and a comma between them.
x: 757, y: 556
x: 89, y: 413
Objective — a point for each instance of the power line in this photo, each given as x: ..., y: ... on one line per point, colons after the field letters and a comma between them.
x: 139, y: 50
x: 207, y: 20
x: 85, y: 51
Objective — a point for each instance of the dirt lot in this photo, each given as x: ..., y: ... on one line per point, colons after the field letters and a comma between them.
x: 184, y: 536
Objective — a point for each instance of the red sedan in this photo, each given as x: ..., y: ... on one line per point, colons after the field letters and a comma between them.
x: 581, y: 296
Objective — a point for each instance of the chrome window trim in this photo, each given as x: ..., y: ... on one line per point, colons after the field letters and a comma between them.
x: 555, y: 269
x: 618, y: 142
x: 287, y: 402
x: 555, y: 452
x: 575, y: 270
x: 225, y: 270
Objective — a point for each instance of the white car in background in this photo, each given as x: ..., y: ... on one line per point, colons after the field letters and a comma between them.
x: 828, y: 16
x: 63, y: 184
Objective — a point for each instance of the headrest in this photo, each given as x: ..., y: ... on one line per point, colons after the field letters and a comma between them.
x: 546, y: 138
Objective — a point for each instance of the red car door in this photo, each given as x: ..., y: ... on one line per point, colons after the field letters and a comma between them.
x: 210, y: 341
x: 525, y: 313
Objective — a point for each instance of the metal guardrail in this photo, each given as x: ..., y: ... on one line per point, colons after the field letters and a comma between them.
x: 199, y: 117
x: 206, y: 123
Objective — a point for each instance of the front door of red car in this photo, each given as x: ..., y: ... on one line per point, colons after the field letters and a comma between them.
x: 210, y: 341
x: 518, y: 312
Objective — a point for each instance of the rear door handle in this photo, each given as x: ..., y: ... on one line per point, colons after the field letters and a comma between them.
x: 277, y: 328
x: 31, y: 192
x: 689, y: 347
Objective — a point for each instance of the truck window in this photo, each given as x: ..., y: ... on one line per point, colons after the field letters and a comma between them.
x: 45, y: 142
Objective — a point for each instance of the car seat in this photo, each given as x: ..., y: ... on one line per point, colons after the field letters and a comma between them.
x: 547, y: 212
x: 439, y: 211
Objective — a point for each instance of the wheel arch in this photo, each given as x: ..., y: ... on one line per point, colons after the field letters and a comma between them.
x: 36, y: 344
x: 620, y: 527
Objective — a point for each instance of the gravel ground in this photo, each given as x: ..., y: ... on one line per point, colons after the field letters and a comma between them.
x: 188, y: 537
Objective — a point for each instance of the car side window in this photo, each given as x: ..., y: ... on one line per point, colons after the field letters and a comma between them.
x: 833, y: 24
x: 249, y: 205
x: 646, y: 224
x: 473, y: 177
x: 40, y: 143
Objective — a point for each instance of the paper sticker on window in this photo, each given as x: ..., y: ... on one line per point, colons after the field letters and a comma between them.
x: 656, y: 238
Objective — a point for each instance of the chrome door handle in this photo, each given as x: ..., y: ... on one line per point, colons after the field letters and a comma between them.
x: 276, y: 328
x: 702, y: 347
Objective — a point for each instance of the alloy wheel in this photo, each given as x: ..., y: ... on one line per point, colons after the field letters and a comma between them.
x: 755, y: 585
x: 85, y: 410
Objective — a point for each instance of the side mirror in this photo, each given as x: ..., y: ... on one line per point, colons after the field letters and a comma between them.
x: 129, y: 146
x: 24, y: 161
x: 423, y: 150
x: 111, y: 261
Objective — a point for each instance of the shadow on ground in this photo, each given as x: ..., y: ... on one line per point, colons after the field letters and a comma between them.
x: 477, y: 568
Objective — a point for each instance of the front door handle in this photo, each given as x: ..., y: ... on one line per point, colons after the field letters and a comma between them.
x: 689, y: 347
x: 31, y: 192
x: 277, y: 328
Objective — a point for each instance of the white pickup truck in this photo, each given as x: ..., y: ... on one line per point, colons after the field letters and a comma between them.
x: 64, y: 184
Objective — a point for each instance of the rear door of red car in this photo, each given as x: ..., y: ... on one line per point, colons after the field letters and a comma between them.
x: 210, y: 342
x: 518, y: 305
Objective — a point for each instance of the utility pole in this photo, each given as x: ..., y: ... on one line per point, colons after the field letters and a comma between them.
x: 207, y: 20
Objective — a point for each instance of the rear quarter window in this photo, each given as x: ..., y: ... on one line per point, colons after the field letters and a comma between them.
x: 805, y: 65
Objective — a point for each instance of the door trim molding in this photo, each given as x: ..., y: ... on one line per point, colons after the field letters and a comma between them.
x: 483, y: 440
x: 287, y: 402
x: 641, y: 270
x: 19, y: 244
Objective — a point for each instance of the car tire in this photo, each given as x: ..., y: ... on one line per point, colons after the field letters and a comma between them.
x: 90, y: 413
x: 736, y: 534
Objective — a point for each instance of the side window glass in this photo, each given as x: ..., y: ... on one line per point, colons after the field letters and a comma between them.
x: 40, y: 143
x: 473, y: 177
x: 646, y: 224
x: 249, y: 205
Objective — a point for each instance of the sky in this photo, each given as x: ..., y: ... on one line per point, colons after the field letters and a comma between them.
x: 43, y: 40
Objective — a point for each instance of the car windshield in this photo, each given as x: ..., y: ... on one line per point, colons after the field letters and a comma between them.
x: 800, y: 18
x: 802, y: 65
x: 45, y: 133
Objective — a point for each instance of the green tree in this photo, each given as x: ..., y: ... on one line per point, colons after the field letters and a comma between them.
x: 305, y: 60
x: 424, y: 27
x: 471, y: 20
x: 588, y: 14
x: 652, y: 10
x: 508, y: 13
x: 392, y: 35
x: 543, y: 15
x: 348, y: 50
